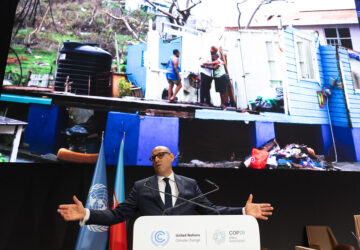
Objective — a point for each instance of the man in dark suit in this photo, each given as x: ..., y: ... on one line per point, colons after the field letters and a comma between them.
x: 147, y: 201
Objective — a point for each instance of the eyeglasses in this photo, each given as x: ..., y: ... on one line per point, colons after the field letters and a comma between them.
x: 159, y: 155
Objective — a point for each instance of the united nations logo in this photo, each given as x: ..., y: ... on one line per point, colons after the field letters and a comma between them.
x: 160, y: 238
x: 219, y: 237
x: 98, y: 200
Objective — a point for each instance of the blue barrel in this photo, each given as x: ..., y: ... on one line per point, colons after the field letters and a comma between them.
x: 86, y: 66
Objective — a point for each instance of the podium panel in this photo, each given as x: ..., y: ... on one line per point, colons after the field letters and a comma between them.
x: 196, y: 232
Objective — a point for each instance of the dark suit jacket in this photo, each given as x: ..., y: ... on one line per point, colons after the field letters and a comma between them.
x: 148, y: 202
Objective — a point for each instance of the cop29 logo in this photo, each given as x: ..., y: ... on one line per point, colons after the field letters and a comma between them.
x: 160, y: 238
x: 219, y: 236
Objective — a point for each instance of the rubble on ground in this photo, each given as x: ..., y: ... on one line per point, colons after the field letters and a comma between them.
x: 292, y: 156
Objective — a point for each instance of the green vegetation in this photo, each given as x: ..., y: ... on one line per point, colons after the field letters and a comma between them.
x: 77, y: 21
x: 60, y: 38
x: 40, y: 62
x: 2, y: 159
x: 124, y: 88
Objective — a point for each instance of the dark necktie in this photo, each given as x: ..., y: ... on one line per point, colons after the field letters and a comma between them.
x: 168, y: 198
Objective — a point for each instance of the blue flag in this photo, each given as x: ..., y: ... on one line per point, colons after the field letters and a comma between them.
x: 119, y: 188
x: 94, y: 237
x: 117, y: 240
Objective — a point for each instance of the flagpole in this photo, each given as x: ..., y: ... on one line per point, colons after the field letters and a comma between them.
x: 118, y: 238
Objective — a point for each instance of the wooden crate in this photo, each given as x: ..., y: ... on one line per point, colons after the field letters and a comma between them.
x: 137, y: 92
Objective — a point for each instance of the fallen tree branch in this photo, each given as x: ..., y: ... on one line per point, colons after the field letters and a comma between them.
x: 160, y: 10
x: 93, y: 15
x: 35, y: 31
x: 142, y: 22
x: 52, y: 16
x: 135, y: 35
x: 23, y: 18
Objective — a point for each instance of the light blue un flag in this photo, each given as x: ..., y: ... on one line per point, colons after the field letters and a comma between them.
x: 94, y: 237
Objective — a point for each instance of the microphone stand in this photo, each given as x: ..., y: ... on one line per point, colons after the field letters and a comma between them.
x: 186, y: 200
x: 197, y: 197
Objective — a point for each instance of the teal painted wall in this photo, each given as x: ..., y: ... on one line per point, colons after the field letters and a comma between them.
x: 135, y: 65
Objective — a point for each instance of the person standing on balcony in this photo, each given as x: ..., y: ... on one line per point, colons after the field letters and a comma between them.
x: 173, y: 76
x: 220, y: 77
x: 206, y: 77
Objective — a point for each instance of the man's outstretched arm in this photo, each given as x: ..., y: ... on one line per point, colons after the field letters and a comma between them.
x: 76, y: 211
x: 258, y: 210
x: 72, y: 212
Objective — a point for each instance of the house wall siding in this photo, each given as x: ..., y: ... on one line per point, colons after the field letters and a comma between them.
x: 302, y: 94
x: 336, y: 100
x: 337, y: 103
x: 353, y: 98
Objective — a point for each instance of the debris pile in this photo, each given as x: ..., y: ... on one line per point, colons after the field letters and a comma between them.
x: 270, y: 101
x: 292, y: 156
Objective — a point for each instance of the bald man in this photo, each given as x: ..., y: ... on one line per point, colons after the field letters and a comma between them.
x: 147, y: 201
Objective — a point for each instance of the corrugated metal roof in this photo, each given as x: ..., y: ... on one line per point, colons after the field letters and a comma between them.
x: 308, y: 18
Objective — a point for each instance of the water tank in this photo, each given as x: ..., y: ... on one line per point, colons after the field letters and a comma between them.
x: 85, y: 67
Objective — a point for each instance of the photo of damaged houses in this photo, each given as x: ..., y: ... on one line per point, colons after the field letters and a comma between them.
x: 293, y: 97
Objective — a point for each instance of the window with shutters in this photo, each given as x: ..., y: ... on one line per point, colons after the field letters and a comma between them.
x: 338, y: 36
x: 305, y: 50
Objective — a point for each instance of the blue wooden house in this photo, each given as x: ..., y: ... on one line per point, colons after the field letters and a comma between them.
x: 310, y: 68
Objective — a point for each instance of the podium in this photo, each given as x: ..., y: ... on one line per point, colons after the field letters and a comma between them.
x: 196, y: 232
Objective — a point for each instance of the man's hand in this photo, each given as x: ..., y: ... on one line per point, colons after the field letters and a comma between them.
x: 71, y: 212
x: 259, y: 211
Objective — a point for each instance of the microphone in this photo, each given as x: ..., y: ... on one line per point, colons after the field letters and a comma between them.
x: 183, y: 199
x: 212, y: 183
x: 197, y: 197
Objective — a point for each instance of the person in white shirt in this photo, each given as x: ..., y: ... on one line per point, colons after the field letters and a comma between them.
x: 206, y: 77
x: 220, y: 77
x: 205, y: 82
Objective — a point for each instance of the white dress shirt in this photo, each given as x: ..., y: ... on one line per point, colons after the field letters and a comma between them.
x: 174, y: 189
x: 162, y: 185
x: 202, y: 60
